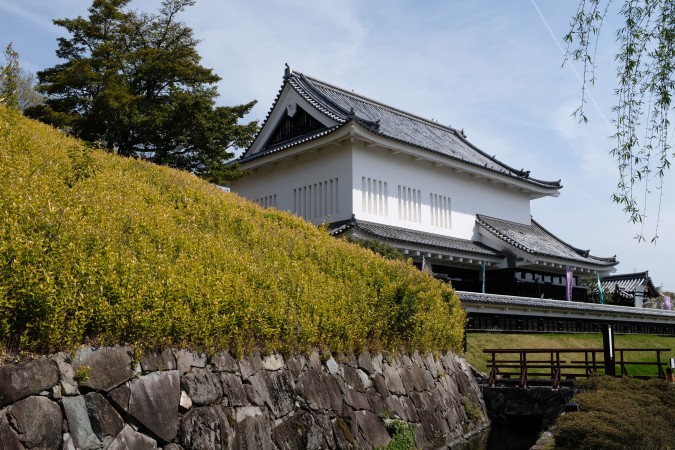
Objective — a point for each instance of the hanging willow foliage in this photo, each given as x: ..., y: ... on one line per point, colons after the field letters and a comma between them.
x: 645, y: 87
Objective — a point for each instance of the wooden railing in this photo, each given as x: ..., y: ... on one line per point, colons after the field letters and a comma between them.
x: 560, y: 364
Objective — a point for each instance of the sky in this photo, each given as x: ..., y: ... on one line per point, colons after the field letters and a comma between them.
x: 492, y: 68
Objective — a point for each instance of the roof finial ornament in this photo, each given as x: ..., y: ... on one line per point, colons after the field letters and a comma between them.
x: 287, y: 72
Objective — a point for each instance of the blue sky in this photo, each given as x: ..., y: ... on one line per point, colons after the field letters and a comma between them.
x: 491, y: 68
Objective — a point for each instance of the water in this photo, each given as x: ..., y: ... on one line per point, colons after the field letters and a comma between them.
x: 512, y: 437
x: 505, y: 437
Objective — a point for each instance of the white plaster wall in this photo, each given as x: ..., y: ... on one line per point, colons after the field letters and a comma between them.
x: 329, y: 163
x: 469, y: 196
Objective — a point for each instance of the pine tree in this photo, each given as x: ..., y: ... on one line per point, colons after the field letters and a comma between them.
x: 132, y: 83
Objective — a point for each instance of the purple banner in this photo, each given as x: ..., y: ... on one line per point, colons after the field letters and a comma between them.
x: 568, y: 272
x: 667, y: 304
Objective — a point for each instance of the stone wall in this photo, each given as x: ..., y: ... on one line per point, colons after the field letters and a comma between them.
x: 103, y: 398
x: 537, y: 405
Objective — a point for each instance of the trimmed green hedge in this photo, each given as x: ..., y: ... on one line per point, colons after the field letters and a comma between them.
x: 619, y: 414
x: 108, y: 250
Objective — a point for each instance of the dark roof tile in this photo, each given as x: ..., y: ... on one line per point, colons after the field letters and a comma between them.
x: 406, y: 236
x: 536, y: 240
x: 342, y: 106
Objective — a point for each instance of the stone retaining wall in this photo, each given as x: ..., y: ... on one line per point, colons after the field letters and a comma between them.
x: 101, y: 398
x: 537, y: 405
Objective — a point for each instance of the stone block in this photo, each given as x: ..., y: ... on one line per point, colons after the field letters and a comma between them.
x: 380, y: 385
x: 66, y: 374
x: 428, y: 380
x: 223, y: 361
x: 372, y: 428
x: 347, y: 358
x: 128, y: 439
x: 392, y: 380
x: 27, y: 378
x: 172, y: 446
x: 434, y: 425
x: 186, y: 360
x: 464, y: 382
x: 345, y: 432
x: 120, y: 397
x: 79, y: 424
x: 253, y: 429
x: 375, y: 401
x: 206, y: 428
x: 250, y: 365
x: 273, y: 362
x: 314, y: 361
x: 55, y: 392
x: 353, y: 379
x: 410, y: 383
x: 320, y: 391
x: 421, y: 383
x: 37, y: 421
x: 105, y: 420
x: 275, y: 390
x: 419, y: 399
x: 356, y: 400
x: 68, y: 443
x: 365, y: 362
x: 233, y: 390
x: 402, y: 408
x: 153, y: 402
x: 377, y: 363
x: 203, y: 387
x: 297, y: 364
x: 431, y: 365
x: 333, y: 367
x: 417, y: 359
x: 9, y: 439
x: 185, y: 402
x: 299, y: 432
x: 153, y: 361
x: 109, y: 366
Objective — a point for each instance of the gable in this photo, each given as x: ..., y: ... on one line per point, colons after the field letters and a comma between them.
x: 316, y: 102
x: 295, y: 123
x: 290, y: 119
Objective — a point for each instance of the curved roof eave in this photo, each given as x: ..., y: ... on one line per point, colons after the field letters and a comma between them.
x: 584, y: 256
x: 418, y: 238
x: 549, y: 185
x: 330, y: 107
x: 308, y: 89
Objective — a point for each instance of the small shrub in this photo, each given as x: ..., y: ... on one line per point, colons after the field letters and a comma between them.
x: 471, y: 410
x: 82, y: 374
x: 402, y: 434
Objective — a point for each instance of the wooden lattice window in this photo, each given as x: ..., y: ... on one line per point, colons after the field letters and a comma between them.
x: 301, y: 123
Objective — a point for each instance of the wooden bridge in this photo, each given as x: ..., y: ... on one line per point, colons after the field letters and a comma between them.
x: 562, y: 365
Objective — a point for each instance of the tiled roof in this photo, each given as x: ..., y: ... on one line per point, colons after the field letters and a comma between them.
x: 536, y: 240
x: 342, y: 106
x: 562, y: 305
x: 627, y: 284
x: 406, y: 236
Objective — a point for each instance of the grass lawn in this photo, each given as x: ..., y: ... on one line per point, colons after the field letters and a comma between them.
x: 476, y: 342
